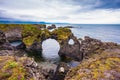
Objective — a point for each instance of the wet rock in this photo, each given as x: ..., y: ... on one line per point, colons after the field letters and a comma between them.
x: 53, y: 26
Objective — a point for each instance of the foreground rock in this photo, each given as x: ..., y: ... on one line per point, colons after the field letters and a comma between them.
x: 104, y: 66
x: 15, y: 68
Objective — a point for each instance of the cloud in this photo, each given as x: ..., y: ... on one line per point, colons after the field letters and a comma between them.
x: 72, y: 11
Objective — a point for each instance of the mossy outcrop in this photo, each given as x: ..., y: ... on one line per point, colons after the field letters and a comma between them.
x: 12, y: 69
x: 13, y: 31
x: 104, y: 66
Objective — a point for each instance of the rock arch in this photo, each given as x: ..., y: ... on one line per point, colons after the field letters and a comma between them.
x: 61, y: 35
x: 50, y: 48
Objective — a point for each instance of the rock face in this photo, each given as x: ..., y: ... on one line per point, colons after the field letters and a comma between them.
x: 53, y: 26
x: 71, y: 51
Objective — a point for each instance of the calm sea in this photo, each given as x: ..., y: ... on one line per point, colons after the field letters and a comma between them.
x: 104, y: 32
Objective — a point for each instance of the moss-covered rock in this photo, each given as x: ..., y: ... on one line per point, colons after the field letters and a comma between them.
x: 104, y: 66
x: 12, y: 69
x: 21, y: 68
x: 14, y: 32
x: 62, y: 34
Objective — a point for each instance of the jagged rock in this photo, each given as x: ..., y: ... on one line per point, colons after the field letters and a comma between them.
x: 90, y: 45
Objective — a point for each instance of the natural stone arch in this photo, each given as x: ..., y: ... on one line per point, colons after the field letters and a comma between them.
x: 62, y: 35
x: 53, y: 48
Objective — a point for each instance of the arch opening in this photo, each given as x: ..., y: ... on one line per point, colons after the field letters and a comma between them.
x: 50, y: 50
x: 71, y: 42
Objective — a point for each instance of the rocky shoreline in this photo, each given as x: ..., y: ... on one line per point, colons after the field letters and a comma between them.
x: 85, y: 51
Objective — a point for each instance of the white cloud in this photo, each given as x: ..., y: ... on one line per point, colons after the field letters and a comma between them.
x: 58, y: 11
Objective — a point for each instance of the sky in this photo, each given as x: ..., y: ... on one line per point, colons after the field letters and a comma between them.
x: 62, y: 11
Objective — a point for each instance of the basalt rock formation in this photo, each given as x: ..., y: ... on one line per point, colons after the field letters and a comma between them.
x: 33, y: 40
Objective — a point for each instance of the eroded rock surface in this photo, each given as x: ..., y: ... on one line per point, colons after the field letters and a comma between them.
x: 103, y: 66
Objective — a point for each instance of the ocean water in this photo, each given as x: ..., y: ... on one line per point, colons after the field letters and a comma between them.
x: 104, y: 32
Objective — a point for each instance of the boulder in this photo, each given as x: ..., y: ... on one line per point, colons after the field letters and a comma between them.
x: 61, y: 71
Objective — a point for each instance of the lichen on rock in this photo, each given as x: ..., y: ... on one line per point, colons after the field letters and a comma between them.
x: 105, y: 66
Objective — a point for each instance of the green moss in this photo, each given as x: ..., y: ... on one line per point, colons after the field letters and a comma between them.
x: 62, y: 33
x: 12, y: 69
x: 97, y: 67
